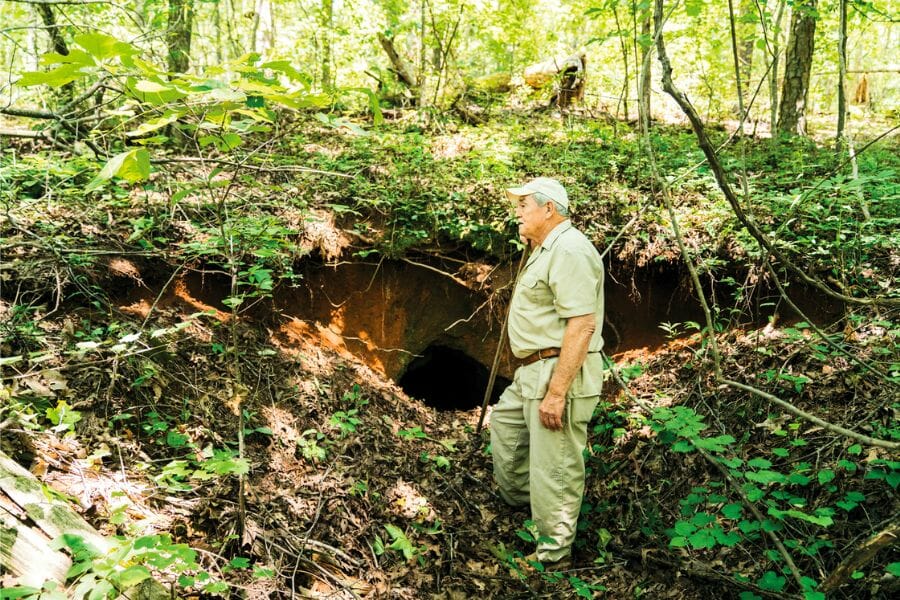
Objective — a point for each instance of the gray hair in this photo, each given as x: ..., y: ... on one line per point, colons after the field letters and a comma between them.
x: 542, y: 199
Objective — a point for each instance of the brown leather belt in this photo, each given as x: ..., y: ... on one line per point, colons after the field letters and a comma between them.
x: 540, y: 355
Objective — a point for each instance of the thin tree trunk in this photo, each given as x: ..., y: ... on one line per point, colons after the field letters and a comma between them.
x: 746, y: 36
x: 797, y: 67
x: 624, y: 99
x: 842, y: 75
x: 773, y: 72
x: 644, y: 87
x: 178, y: 36
x: 217, y: 25
x: 326, y: 20
x: 58, y: 42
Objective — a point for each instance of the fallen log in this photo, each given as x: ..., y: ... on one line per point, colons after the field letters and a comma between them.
x: 398, y: 65
x: 569, y: 72
x: 31, y: 516
x: 862, y: 555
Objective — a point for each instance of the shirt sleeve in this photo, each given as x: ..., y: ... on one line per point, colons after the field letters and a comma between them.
x: 575, y: 281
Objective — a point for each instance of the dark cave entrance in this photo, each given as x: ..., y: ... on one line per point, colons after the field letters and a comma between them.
x: 449, y: 379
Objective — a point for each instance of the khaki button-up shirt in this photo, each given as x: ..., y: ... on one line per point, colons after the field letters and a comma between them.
x: 563, y: 278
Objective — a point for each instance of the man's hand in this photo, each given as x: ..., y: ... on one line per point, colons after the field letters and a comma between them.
x: 551, y: 411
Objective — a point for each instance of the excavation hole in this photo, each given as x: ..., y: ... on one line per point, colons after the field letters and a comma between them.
x: 449, y: 379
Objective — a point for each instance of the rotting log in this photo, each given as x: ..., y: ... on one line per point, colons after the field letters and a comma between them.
x: 30, y: 518
x: 862, y: 555
x: 569, y: 71
x: 398, y: 65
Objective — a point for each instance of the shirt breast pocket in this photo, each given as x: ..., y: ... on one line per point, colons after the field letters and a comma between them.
x: 536, y: 290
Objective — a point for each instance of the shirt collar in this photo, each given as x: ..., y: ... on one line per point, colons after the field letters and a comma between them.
x: 555, y: 233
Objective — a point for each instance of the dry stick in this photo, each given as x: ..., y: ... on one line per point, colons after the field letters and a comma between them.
x: 812, y: 418
x: 496, y: 364
x: 716, y: 166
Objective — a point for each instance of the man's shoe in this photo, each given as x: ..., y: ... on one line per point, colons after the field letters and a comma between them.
x: 528, y: 565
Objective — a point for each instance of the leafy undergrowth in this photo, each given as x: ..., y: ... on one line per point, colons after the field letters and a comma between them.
x: 150, y: 415
x: 354, y: 490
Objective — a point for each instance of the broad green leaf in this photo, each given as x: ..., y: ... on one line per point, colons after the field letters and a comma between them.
x: 228, y: 95
x: 55, y: 78
x: 685, y: 528
x: 104, y: 46
x: 132, y: 165
x: 825, y: 476
x: 732, y: 511
x: 702, y: 539
x: 771, y: 581
x: 132, y: 576
x: 759, y: 463
x: 13, y: 593
x: 714, y: 444
x: 893, y: 569
x: 171, y: 93
x: 693, y: 8
x: 74, y: 57
x: 765, y: 476
x: 729, y: 539
x: 158, y: 123
x: 151, y: 87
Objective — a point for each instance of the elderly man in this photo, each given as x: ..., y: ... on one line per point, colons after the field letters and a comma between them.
x: 539, y: 426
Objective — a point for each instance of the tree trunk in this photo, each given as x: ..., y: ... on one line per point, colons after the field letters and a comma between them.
x: 263, y: 27
x: 775, y: 49
x: 746, y: 36
x: 398, y: 65
x: 644, y: 88
x: 797, y: 67
x: 326, y: 21
x: 842, y: 75
x: 178, y: 36
x: 57, y: 40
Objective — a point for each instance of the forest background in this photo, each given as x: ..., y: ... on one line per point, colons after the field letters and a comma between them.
x: 173, y: 172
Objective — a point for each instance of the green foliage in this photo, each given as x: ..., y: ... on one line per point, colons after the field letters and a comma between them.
x: 95, y: 575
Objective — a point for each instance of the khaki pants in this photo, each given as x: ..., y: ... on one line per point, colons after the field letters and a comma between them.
x: 535, y: 465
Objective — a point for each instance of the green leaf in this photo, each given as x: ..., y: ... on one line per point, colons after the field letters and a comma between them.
x: 765, y: 476
x: 825, y: 476
x: 702, y: 539
x: 781, y: 452
x: 104, y: 46
x: 693, y: 8
x: 729, y: 539
x: 714, y: 444
x: 13, y: 593
x: 771, y: 581
x: 133, y: 165
x: 57, y: 77
x: 151, y: 87
x: 759, y: 463
x: 732, y: 511
x: 682, y: 446
x: 893, y: 569
x: 749, y: 596
x: 132, y: 576
x: 685, y: 528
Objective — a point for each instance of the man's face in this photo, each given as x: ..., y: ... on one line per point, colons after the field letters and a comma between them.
x: 530, y: 216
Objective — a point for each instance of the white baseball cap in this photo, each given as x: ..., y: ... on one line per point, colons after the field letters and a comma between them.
x: 550, y: 188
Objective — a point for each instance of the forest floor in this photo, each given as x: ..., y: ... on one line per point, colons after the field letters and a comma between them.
x: 294, y: 465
